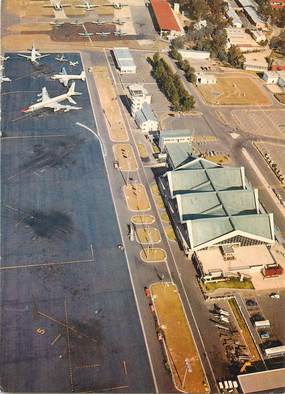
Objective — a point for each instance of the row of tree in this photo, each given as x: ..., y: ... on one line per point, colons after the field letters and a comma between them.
x: 170, y: 84
x: 183, y: 65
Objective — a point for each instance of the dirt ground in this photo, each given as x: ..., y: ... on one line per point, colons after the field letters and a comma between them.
x: 234, y: 91
x: 125, y: 156
x: 153, y: 255
x: 148, y: 235
x: 136, y: 197
x: 110, y: 106
x: 172, y: 320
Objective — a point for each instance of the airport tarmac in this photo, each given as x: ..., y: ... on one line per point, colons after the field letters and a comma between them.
x: 68, y: 316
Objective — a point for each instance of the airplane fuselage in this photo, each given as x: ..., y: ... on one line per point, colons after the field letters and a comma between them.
x: 37, y: 106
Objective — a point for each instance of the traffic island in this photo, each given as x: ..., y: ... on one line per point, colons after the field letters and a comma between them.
x: 245, y: 332
x: 142, y: 219
x: 153, y: 255
x: 164, y: 217
x: 154, y: 189
x: 142, y: 151
x: 174, y: 332
x: 125, y: 157
x: 110, y: 105
x: 149, y: 235
x: 136, y: 197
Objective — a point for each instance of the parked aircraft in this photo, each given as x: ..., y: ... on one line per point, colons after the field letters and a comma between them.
x: 119, y: 22
x: 45, y: 101
x: 119, y: 33
x: 117, y: 6
x: 34, y: 55
x: 73, y: 64
x: 86, y: 34
x: 56, y: 5
x: 99, y: 22
x: 87, y: 6
x: 61, y: 58
x: 64, y: 78
x: 4, y: 58
x: 103, y: 33
x: 4, y: 79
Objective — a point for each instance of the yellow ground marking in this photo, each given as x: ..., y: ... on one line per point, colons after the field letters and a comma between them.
x: 153, y: 255
x: 125, y: 156
x: 57, y: 338
x: 179, y: 347
x: 12, y: 267
x: 113, y: 388
x: 142, y: 151
x: 87, y: 366
x: 136, y: 197
x: 149, y: 235
x: 40, y: 331
x: 68, y: 346
x: 62, y: 324
x: 109, y: 102
x: 234, y: 91
x: 170, y: 233
x: 142, y: 219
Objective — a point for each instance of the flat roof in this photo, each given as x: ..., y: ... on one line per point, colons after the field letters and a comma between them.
x: 259, y: 382
x: 145, y: 114
x: 164, y: 15
x: 124, y: 57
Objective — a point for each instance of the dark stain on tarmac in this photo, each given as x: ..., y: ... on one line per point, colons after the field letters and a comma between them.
x: 49, y: 225
x: 51, y: 155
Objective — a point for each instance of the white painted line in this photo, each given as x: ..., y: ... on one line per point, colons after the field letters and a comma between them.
x: 96, y: 135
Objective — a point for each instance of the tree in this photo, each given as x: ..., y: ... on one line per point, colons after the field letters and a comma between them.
x: 198, y: 9
x: 178, y: 43
x: 235, y: 57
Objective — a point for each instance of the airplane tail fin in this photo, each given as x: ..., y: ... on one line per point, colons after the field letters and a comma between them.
x: 72, y: 91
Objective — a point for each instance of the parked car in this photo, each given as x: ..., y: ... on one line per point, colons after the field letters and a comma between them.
x: 274, y: 296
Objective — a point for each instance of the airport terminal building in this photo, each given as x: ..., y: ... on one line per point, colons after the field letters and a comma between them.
x: 215, y: 211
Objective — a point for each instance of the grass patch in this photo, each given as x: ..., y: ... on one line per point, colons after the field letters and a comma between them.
x: 244, y: 330
x: 142, y: 219
x: 148, y: 235
x: 233, y: 283
x: 164, y: 217
x: 155, y: 148
x: 154, y: 189
x: 159, y: 202
x: 153, y: 255
x: 170, y: 233
x: 142, y: 151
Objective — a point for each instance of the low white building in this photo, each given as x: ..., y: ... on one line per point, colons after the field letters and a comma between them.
x: 174, y: 137
x: 205, y: 79
x: 235, y: 19
x: 146, y: 119
x: 193, y: 54
x: 124, y: 61
x: 258, y: 36
x: 270, y: 77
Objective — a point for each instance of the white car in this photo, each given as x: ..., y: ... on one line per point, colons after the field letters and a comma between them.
x: 274, y: 296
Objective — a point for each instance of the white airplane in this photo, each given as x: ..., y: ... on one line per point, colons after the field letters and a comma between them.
x: 34, y: 55
x: 61, y: 58
x: 119, y: 22
x: 99, y: 22
x: 56, y: 5
x: 103, y: 33
x: 117, y: 6
x: 45, y: 101
x: 119, y: 33
x: 87, y: 6
x: 77, y: 22
x: 4, y: 58
x: 57, y: 23
x: 73, y: 64
x: 64, y: 78
x: 86, y: 34
x: 4, y: 79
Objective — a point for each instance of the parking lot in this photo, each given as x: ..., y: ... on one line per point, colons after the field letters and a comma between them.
x: 68, y: 316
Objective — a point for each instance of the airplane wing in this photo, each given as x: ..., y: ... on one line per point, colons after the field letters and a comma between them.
x: 26, y: 56
x: 64, y: 81
x: 63, y: 71
x: 43, y: 55
x: 44, y: 94
x: 57, y: 107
